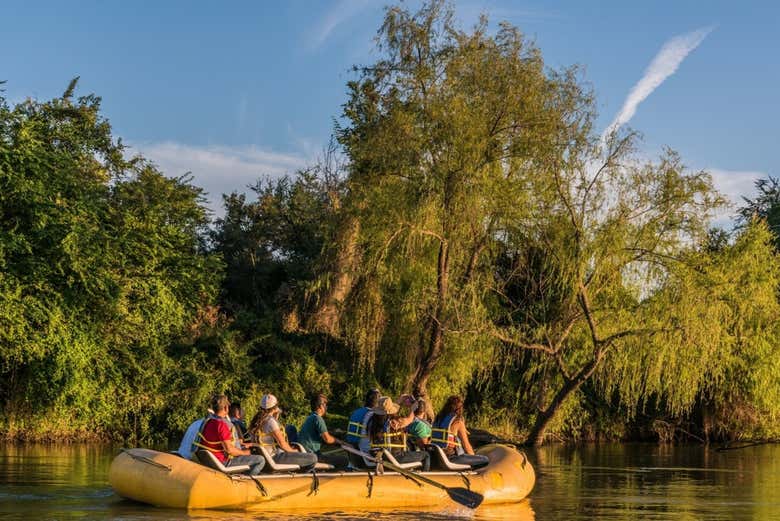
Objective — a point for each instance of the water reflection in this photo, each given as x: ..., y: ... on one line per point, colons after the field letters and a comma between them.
x: 611, y: 482
x: 626, y: 482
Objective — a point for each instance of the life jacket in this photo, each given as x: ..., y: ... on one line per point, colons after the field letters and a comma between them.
x: 441, y: 435
x: 356, y: 428
x: 390, y: 440
x: 202, y: 442
x: 240, y: 427
x: 268, y: 441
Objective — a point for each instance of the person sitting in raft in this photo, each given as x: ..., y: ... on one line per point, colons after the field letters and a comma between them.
x: 387, y: 430
x: 314, y: 432
x: 356, y: 428
x: 218, y: 437
x: 187, y: 448
x: 264, y: 430
x: 236, y: 415
x: 449, y: 432
x: 419, y: 430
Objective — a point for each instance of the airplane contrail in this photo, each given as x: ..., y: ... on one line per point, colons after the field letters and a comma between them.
x: 665, y: 63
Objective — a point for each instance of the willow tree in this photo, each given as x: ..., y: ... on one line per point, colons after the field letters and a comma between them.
x: 447, y: 137
x: 580, y: 284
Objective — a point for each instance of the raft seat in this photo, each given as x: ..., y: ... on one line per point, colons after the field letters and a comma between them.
x: 388, y: 456
x: 445, y: 461
x: 273, y: 466
x: 208, y: 459
x: 320, y: 465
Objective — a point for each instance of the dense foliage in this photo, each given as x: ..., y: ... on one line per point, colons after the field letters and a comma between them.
x: 103, y: 272
x: 467, y: 232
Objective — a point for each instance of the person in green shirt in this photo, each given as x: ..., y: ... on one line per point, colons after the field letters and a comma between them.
x: 314, y: 432
x: 420, y: 429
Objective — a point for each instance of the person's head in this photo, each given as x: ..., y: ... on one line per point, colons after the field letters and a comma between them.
x: 270, y: 404
x: 269, y: 407
x: 454, y: 406
x: 386, y: 407
x: 372, y: 398
x: 235, y: 410
x: 319, y: 404
x: 385, y: 410
x: 375, y: 427
x: 408, y: 404
x: 220, y: 404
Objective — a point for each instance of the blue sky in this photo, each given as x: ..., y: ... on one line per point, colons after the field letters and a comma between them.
x: 233, y: 91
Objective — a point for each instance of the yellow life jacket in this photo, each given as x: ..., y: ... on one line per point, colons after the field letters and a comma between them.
x: 233, y: 435
x: 391, y: 440
x: 268, y: 440
x: 356, y: 428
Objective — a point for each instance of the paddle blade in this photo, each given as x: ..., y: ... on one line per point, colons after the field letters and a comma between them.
x: 465, y: 497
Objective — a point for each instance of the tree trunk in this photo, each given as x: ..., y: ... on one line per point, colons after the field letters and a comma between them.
x: 326, y: 318
x: 536, y: 437
x: 427, y: 363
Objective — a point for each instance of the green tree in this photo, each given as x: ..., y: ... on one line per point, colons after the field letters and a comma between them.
x: 446, y: 135
x: 766, y: 206
x: 612, y: 235
x: 102, y: 268
x: 272, y: 246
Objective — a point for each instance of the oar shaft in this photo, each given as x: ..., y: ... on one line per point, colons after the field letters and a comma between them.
x: 462, y: 496
x: 396, y: 468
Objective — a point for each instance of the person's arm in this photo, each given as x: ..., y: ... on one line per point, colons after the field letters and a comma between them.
x: 230, y: 447
x: 279, y: 437
x: 463, y: 435
x: 402, y: 422
x: 423, y: 442
x: 322, y: 428
x: 228, y: 443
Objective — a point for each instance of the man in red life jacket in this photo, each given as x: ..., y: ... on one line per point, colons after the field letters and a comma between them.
x: 218, y: 436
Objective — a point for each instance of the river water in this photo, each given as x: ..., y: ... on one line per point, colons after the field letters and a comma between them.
x: 610, y: 482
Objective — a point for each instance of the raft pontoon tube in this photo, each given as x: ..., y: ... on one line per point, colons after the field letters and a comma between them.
x: 167, y: 480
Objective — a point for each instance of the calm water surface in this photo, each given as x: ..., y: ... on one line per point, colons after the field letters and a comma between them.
x: 612, y: 482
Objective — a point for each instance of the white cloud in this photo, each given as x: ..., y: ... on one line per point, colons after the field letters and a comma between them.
x: 339, y: 13
x: 735, y: 184
x: 665, y: 63
x: 220, y: 169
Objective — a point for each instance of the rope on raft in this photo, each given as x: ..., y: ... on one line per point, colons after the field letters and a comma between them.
x: 260, y: 487
x: 146, y: 460
x: 370, y: 484
x: 315, y: 484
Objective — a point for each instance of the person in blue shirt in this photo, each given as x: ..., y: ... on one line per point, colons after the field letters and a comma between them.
x: 356, y: 428
x: 190, y: 436
x: 236, y: 415
x: 314, y: 432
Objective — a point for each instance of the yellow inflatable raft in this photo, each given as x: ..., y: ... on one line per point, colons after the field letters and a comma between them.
x: 167, y: 480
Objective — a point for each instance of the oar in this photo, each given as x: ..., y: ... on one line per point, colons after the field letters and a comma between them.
x: 460, y: 495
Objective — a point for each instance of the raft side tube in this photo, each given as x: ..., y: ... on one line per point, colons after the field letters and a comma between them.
x: 167, y: 480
